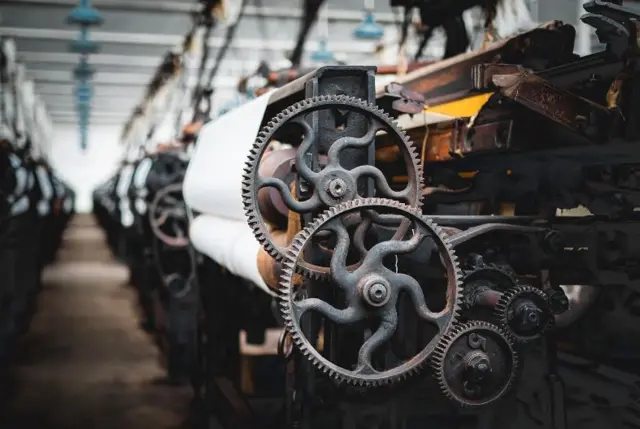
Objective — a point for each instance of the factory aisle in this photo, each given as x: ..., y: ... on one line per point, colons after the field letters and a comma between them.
x: 86, y: 363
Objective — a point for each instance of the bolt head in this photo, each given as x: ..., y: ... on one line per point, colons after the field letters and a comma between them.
x: 378, y: 293
x: 337, y: 188
x: 375, y: 292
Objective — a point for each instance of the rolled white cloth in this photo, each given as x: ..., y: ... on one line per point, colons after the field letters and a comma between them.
x: 231, y: 244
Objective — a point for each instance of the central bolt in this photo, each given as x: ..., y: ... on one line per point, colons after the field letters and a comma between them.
x: 378, y: 293
x: 337, y: 188
x: 478, y: 367
x: 375, y: 292
x: 528, y: 316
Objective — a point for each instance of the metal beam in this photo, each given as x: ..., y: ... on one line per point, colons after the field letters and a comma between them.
x: 68, y: 88
x: 295, y: 13
x: 124, y: 115
x: 352, y: 47
x: 74, y: 121
x: 120, y: 60
x: 125, y: 79
x: 54, y: 107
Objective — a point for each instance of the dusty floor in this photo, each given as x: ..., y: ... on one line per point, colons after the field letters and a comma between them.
x: 85, y: 363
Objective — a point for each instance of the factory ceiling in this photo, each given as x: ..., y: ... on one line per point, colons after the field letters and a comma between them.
x: 137, y: 33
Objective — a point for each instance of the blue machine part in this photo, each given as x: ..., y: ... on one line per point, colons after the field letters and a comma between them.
x: 84, y: 16
x: 323, y: 54
x: 83, y: 71
x: 84, y: 47
x: 369, y: 29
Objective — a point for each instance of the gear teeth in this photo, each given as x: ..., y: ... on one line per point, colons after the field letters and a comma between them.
x: 249, y: 191
x: 287, y: 289
x: 507, y: 299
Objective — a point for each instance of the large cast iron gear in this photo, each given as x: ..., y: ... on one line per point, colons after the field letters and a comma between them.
x: 523, y: 313
x: 333, y: 184
x: 475, y: 364
x: 371, y: 290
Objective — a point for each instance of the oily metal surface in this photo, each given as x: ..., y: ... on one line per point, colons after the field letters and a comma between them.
x: 85, y: 362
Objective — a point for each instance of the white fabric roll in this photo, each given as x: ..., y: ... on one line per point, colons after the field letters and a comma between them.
x: 213, y: 182
x: 231, y: 244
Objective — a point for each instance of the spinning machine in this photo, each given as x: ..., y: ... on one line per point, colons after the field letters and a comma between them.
x: 413, y: 240
x: 35, y: 203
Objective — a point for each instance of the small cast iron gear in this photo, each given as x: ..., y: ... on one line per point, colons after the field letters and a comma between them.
x: 291, y: 311
x: 475, y: 364
x: 250, y: 186
x: 540, y: 321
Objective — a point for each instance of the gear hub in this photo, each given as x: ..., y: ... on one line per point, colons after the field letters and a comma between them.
x: 475, y: 364
x: 371, y: 291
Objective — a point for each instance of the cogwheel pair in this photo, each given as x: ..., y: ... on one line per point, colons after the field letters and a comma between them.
x: 371, y: 290
x: 333, y: 184
x: 521, y: 311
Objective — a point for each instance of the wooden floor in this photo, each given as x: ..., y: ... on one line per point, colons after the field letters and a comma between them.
x: 85, y: 363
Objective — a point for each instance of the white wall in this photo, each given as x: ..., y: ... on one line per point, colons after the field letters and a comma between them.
x: 84, y: 170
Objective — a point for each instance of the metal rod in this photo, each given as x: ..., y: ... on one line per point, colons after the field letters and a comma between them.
x: 293, y: 13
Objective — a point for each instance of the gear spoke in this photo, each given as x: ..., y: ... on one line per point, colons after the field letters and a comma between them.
x: 338, y: 265
x: 306, y: 206
x: 344, y: 317
x: 381, y: 182
x: 412, y: 287
x: 170, y: 201
x: 309, y: 138
x: 333, y: 155
x: 385, y: 331
x: 393, y: 247
x: 359, y: 236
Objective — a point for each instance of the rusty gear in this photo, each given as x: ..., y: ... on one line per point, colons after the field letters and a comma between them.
x: 475, y: 364
x: 168, y: 217
x: 333, y: 184
x: 371, y: 290
x: 523, y: 313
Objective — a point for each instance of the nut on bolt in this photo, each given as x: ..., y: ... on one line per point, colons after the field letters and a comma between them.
x: 376, y: 292
x: 558, y: 301
x: 337, y: 188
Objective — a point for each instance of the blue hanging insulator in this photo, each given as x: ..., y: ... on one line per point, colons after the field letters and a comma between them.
x: 83, y: 89
x: 83, y: 71
x: 85, y: 15
x: 83, y: 93
x: 84, y: 47
x: 369, y: 29
x: 83, y: 122
x: 323, y: 54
